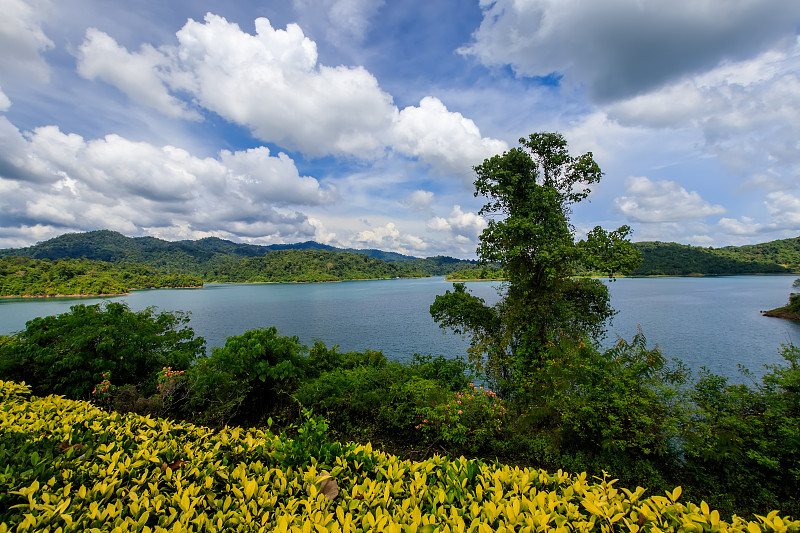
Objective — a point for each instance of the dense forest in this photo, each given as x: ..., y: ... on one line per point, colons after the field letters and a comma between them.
x: 209, y: 257
x: 21, y: 276
x: 283, y: 266
x: 672, y: 259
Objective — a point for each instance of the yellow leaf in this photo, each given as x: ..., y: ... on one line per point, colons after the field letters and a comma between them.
x: 592, y: 508
x: 704, y: 508
x: 676, y: 494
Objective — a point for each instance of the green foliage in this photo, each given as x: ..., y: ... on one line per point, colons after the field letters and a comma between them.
x: 247, y: 376
x: 530, y: 191
x: 69, y: 466
x: 478, y: 274
x: 68, y: 353
x: 672, y: 259
x: 744, y: 440
x: 20, y: 276
x: 472, y: 421
x: 309, y: 266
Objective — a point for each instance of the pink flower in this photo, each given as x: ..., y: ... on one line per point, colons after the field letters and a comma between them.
x: 460, y: 411
x: 459, y: 402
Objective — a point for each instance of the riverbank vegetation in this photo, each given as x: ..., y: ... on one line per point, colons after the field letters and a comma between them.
x: 21, y: 276
x: 625, y: 411
x: 202, y: 257
x: 790, y: 311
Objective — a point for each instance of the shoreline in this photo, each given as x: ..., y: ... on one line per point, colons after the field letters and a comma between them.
x: 782, y: 312
x: 27, y: 296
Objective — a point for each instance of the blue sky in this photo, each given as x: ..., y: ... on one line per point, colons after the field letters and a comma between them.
x: 356, y: 122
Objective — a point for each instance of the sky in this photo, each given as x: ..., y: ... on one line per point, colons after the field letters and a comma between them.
x: 356, y: 123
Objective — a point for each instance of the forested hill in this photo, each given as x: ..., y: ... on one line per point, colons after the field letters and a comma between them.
x: 210, y: 256
x: 311, y: 266
x: 21, y: 276
x: 672, y: 259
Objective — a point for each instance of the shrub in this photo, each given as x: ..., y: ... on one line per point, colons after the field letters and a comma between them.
x: 250, y: 376
x: 742, y: 445
x: 470, y: 421
x: 68, y: 353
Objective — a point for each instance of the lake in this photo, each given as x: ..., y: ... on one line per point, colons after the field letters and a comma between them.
x: 710, y: 321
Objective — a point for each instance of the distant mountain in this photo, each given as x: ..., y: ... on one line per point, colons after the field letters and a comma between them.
x: 199, y: 257
x: 207, y: 255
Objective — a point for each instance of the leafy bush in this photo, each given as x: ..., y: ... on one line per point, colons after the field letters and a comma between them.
x: 72, y: 467
x: 471, y: 421
x: 744, y: 441
x: 252, y: 374
x: 68, y: 353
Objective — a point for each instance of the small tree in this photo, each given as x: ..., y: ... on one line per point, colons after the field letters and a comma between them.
x: 530, y: 193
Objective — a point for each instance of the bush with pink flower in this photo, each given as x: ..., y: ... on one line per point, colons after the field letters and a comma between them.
x: 466, y: 421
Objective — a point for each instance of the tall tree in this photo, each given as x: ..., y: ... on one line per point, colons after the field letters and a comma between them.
x: 530, y: 191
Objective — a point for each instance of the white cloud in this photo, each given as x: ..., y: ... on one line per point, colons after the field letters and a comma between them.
x: 5, y: 103
x: 784, y: 208
x: 743, y: 226
x: 272, y: 83
x: 461, y: 224
x: 662, y: 201
x: 389, y: 237
x: 419, y: 200
x: 620, y: 48
x: 64, y: 181
x: 447, y: 141
x: 23, y: 40
x: 143, y: 76
x: 747, y: 111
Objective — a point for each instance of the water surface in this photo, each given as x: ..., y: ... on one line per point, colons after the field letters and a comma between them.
x: 710, y: 321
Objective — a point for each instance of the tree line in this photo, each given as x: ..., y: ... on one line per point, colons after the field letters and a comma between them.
x: 21, y: 276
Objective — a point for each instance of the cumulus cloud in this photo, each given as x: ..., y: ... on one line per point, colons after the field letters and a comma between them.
x: 272, y: 83
x: 5, y: 103
x: 419, y: 200
x: 446, y: 140
x: 462, y: 224
x: 747, y: 111
x: 389, y: 237
x: 621, y: 48
x: 23, y: 40
x: 784, y: 208
x: 662, y: 201
x: 49, y: 178
x: 142, y: 76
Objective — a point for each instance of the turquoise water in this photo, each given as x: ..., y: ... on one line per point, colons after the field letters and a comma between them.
x: 712, y: 321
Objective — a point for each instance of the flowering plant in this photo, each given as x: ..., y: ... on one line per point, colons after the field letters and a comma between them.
x: 168, y: 382
x: 103, y: 391
x: 466, y: 420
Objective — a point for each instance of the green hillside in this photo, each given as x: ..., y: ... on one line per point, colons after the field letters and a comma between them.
x: 309, y: 266
x: 209, y: 257
x: 21, y: 276
x: 672, y: 259
x: 204, y: 256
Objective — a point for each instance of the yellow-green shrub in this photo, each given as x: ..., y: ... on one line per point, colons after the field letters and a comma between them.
x: 68, y: 466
